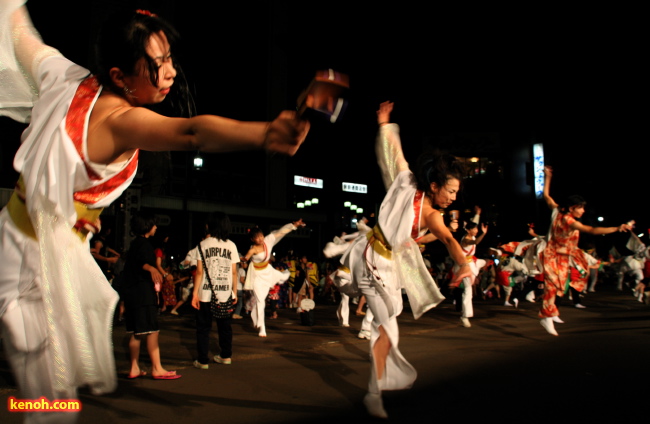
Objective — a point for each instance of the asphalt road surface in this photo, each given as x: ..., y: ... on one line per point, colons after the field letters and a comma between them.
x: 505, y: 368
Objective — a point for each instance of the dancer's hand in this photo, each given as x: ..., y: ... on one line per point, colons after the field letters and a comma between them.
x: 286, y: 133
x: 464, y: 272
x: 626, y: 227
x: 299, y: 223
x: 383, y: 114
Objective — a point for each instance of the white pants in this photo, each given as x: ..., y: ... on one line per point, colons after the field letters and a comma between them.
x: 260, y: 294
x: 398, y: 374
x: 343, y: 312
x: 24, y: 335
x: 366, y: 323
x: 24, y: 326
x: 467, y: 310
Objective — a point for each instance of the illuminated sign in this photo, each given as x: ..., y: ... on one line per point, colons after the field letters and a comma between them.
x: 538, y: 169
x: 307, y: 182
x: 355, y: 188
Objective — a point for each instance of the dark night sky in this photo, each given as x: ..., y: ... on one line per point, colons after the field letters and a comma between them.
x: 569, y: 75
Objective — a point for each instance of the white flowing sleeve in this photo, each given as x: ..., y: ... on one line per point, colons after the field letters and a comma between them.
x: 275, y: 236
x: 21, y: 52
x: 518, y: 266
x: 422, y: 291
x: 635, y: 244
x: 363, y: 228
x: 346, y: 238
x: 389, y: 153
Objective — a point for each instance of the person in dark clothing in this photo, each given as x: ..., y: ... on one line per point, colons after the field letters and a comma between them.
x: 141, y: 300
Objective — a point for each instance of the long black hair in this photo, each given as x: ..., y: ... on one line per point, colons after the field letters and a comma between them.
x: 123, y: 41
x: 437, y: 167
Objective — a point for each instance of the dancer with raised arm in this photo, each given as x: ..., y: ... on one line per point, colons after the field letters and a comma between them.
x: 261, y: 275
x: 388, y: 259
x: 468, y: 244
x: 78, y: 154
x: 562, y: 248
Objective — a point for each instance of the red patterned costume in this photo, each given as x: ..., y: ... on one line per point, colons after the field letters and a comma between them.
x: 560, y: 251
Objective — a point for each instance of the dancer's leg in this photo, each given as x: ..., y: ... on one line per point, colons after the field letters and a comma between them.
x: 343, y: 311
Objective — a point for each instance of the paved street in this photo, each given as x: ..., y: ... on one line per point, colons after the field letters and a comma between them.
x: 505, y: 368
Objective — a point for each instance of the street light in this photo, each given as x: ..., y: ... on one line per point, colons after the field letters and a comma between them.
x: 198, y: 161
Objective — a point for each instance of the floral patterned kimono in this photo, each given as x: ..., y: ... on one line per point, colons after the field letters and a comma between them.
x: 560, y: 252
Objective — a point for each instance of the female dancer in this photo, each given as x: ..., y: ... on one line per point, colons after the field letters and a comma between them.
x: 78, y: 155
x: 468, y: 244
x: 261, y: 276
x: 562, y: 248
x: 336, y: 248
x: 388, y: 258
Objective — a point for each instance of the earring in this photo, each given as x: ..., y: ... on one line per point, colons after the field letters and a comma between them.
x: 128, y: 91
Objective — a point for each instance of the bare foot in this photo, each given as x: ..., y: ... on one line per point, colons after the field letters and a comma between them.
x: 162, y: 372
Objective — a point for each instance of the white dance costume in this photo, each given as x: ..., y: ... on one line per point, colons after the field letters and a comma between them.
x: 387, y: 259
x: 335, y: 248
x: 475, y: 265
x: 56, y: 306
x: 261, y: 276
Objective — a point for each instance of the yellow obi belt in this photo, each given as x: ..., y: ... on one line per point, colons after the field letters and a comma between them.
x: 86, y: 218
x: 378, y: 242
x: 260, y: 265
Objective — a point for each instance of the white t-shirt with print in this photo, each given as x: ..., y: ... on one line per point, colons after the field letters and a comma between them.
x: 219, y: 256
